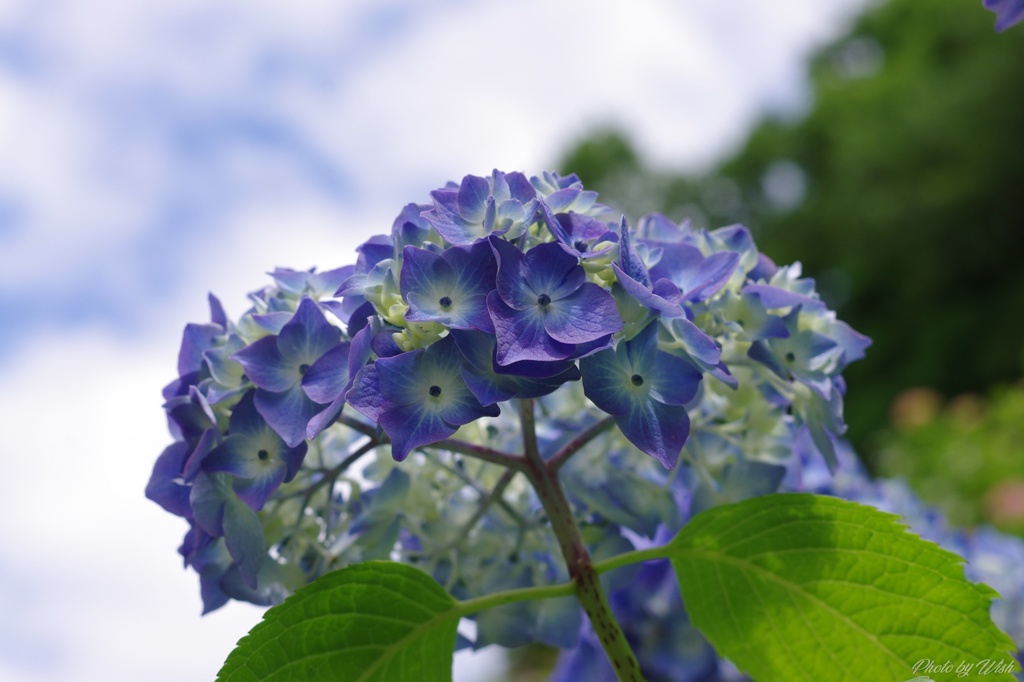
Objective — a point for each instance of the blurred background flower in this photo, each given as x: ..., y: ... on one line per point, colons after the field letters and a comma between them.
x: 151, y: 152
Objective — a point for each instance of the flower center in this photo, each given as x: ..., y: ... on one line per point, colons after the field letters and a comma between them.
x: 580, y: 246
x: 303, y: 368
x: 543, y: 299
x: 434, y: 391
x: 637, y: 380
x: 263, y: 455
x: 445, y: 302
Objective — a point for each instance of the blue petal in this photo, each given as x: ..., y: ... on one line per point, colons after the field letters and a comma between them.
x: 265, y: 366
x: 217, y: 314
x: 196, y: 340
x: 308, y: 335
x: 521, y: 334
x: 165, y: 486
x: 510, y: 280
x: 472, y: 195
x: 775, y: 297
x: 209, y: 494
x: 243, y: 535
x: 585, y: 315
x: 481, y: 372
x: 696, y: 343
x: 328, y: 377
x: 629, y: 261
x: 657, y: 429
x: 245, y: 418
x: 603, y: 380
x: 365, y: 394
x: 422, y: 270
x: 646, y: 296
x: 409, y: 427
x: 287, y: 412
x: 550, y: 269
x: 1008, y: 12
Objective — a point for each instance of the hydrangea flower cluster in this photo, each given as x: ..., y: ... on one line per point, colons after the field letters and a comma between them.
x: 359, y: 413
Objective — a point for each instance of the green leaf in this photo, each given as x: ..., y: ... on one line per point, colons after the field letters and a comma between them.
x: 378, y: 620
x: 796, y: 587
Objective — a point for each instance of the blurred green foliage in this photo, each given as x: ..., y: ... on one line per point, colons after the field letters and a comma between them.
x: 967, y: 457
x: 901, y: 191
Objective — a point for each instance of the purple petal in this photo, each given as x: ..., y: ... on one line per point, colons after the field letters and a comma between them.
x: 209, y: 494
x: 550, y: 269
x: 711, y: 276
x: 560, y: 232
x: 321, y: 420
x: 421, y: 269
x: 628, y: 260
x: 217, y: 314
x: 647, y: 297
x: 473, y: 193
x: 287, y: 412
x: 510, y: 281
x: 521, y: 334
x: 602, y: 380
x: 409, y: 427
x: 165, y: 486
x: 585, y: 315
x: 243, y: 535
x: 519, y: 187
x: 776, y: 297
x: 698, y: 344
x: 308, y: 335
x: 657, y: 429
x: 196, y: 340
x: 264, y: 365
x: 365, y: 393
x: 328, y: 376
x: 205, y: 446
x: 1008, y: 12
x: 273, y: 322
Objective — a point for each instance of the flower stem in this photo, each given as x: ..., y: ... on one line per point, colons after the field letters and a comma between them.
x: 584, y: 576
x: 480, y: 452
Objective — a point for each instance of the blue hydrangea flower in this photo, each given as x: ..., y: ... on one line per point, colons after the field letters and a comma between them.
x: 587, y: 236
x: 697, y: 277
x: 543, y: 307
x: 278, y: 364
x: 501, y: 204
x: 418, y: 397
x: 450, y: 287
x: 800, y: 355
x: 565, y: 194
x: 254, y: 454
x: 645, y: 389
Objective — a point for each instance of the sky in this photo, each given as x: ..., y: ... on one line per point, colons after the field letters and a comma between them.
x: 151, y: 152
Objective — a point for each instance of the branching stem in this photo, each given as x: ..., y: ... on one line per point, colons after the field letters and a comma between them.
x: 584, y: 577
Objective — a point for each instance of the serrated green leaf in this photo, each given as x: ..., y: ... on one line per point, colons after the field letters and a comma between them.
x: 796, y: 587
x: 377, y: 621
